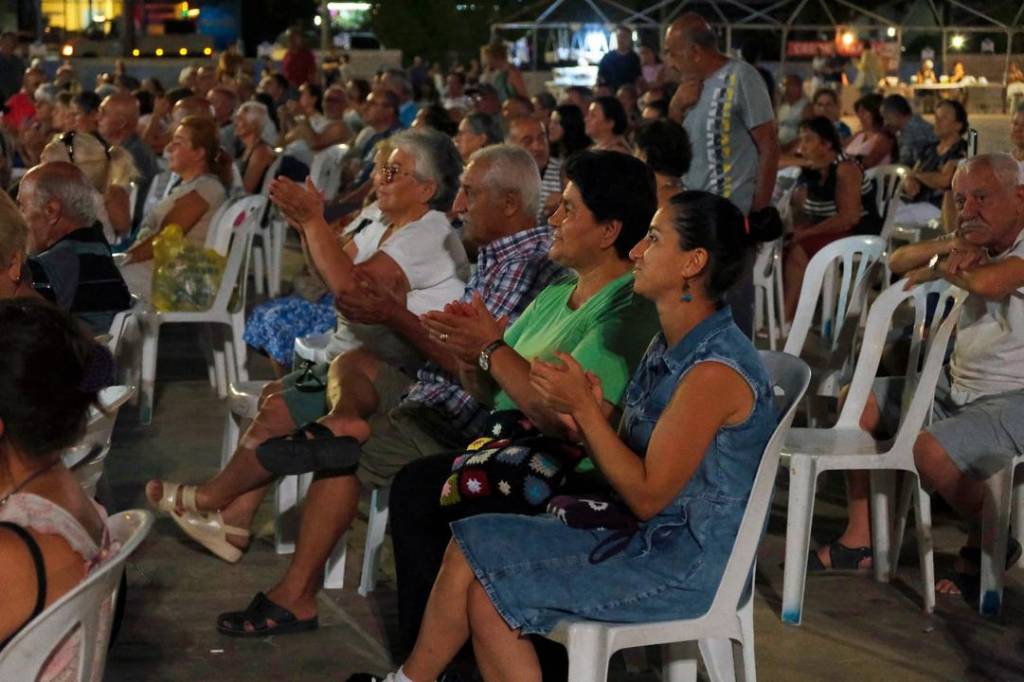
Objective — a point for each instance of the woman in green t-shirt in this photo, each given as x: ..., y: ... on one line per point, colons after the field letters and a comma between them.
x: 594, y: 316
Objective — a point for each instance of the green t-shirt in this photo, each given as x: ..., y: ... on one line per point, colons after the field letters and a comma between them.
x: 607, y: 335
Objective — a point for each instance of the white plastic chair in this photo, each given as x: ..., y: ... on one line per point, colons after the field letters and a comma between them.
x: 82, y: 610
x: 846, y: 447
x: 851, y: 261
x: 291, y: 490
x: 888, y: 183
x: 768, y: 292
x: 231, y: 236
x: 326, y: 169
x: 85, y: 458
x: 731, y: 616
x: 263, y: 248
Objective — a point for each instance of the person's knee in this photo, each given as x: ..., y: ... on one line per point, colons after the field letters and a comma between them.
x: 272, y: 388
x: 870, y: 416
x: 931, y: 459
x: 274, y: 418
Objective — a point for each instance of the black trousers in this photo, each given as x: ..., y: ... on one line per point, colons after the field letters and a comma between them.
x: 420, y: 533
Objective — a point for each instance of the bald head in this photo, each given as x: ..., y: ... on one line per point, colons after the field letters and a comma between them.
x: 193, y: 105
x: 56, y: 199
x: 692, y: 46
x: 118, y: 117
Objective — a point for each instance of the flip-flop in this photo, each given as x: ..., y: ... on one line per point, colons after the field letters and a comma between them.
x: 210, y: 531
x: 841, y: 557
x: 259, y: 613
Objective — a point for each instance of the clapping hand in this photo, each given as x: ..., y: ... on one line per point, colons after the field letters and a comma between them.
x: 565, y: 387
x: 369, y: 303
x: 465, y: 328
x: 299, y: 204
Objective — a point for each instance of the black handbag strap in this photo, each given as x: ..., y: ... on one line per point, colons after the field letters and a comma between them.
x: 37, y: 560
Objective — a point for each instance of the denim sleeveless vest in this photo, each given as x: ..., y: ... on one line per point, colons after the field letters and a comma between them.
x: 711, y: 505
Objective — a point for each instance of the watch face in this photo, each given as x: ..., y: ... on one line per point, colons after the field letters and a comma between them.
x: 484, y: 361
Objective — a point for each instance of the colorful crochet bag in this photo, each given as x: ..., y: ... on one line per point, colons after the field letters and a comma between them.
x: 513, y: 469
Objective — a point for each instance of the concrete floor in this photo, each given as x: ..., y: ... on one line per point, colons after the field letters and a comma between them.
x: 854, y: 628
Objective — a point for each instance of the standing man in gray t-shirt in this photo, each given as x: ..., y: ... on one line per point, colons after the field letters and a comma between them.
x: 725, y: 107
x: 727, y: 112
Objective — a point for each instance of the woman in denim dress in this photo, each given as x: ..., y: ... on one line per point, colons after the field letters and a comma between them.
x: 698, y: 416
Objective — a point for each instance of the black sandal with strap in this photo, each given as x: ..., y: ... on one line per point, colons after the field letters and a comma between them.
x: 969, y: 584
x: 258, y: 614
x: 311, y: 447
x: 841, y: 557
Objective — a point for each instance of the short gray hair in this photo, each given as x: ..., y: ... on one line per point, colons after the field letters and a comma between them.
x: 511, y: 168
x: 255, y: 112
x: 437, y: 161
x: 484, y: 124
x: 47, y: 92
x: 1003, y: 166
x: 77, y: 198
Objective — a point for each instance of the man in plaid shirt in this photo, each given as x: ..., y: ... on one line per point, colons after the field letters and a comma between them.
x: 498, y: 198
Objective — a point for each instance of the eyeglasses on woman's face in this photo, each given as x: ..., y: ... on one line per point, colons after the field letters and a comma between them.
x: 390, y: 172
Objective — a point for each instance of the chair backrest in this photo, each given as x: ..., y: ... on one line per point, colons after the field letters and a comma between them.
x: 856, y: 257
x: 85, y: 458
x: 219, y: 225
x: 242, y: 220
x: 888, y: 183
x: 928, y: 344
x: 81, y: 609
x: 326, y: 169
x: 271, y: 173
x: 790, y: 377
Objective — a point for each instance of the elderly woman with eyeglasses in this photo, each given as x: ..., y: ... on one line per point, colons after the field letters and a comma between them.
x: 412, y: 252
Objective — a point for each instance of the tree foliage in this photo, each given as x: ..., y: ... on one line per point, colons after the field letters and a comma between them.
x: 436, y: 29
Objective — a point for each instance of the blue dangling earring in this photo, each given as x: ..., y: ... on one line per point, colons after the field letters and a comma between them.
x: 687, y: 297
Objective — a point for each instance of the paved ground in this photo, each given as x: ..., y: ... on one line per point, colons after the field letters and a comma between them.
x: 854, y: 628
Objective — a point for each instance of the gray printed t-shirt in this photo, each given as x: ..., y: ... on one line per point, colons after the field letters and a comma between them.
x: 733, y: 101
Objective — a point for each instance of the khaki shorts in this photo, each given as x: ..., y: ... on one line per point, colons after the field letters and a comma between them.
x: 401, y: 430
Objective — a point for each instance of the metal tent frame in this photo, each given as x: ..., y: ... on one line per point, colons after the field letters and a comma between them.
x: 780, y: 16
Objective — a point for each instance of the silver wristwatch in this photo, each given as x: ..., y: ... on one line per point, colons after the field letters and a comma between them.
x: 484, y: 360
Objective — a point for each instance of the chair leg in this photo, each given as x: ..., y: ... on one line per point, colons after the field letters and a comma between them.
x: 286, y: 513
x: 232, y: 432
x: 1017, y: 515
x: 678, y: 662
x: 334, y: 571
x: 746, y: 614
x: 588, y: 654
x: 925, y: 544
x: 773, y: 322
x: 239, y: 347
x: 276, y: 256
x: 150, y: 343
x: 907, y: 486
x: 717, y: 655
x: 803, y: 476
x: 257, y: 270
x: 882, y: 501
x: 375, y: 529
x: 995, y: 528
